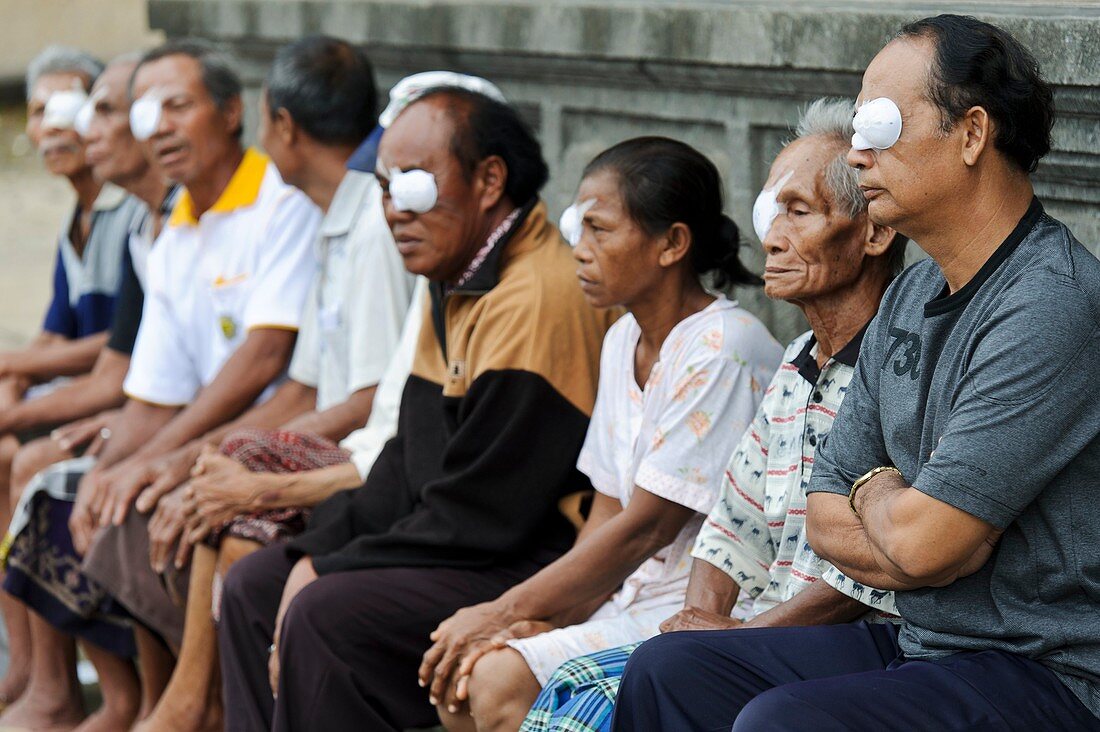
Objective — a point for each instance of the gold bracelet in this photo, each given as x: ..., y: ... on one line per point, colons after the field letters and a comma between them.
x: 863, y: 481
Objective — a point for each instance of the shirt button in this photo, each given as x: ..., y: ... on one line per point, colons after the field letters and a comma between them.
x: 818, y: 397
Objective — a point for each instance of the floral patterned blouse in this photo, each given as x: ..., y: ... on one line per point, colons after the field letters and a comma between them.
x: 674, y: 437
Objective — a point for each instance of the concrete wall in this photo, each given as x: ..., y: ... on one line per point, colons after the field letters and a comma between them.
x: 104, y: 27
x: 726, y: 76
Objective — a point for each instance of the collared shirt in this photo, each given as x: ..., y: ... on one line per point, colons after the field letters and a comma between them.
x: 86, y: 284
x: 672, y: 438
x: 246, y: 263
x: 359, y: 299
x: 756, y: 533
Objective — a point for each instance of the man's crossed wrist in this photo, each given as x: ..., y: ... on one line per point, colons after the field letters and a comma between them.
x: 864, y: 480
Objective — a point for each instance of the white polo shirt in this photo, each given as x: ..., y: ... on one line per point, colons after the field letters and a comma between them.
x: 359, y: 299
x: 246, y: 263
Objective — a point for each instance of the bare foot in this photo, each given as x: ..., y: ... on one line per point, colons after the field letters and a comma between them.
x: 181, y: 715
x: 44, y: 712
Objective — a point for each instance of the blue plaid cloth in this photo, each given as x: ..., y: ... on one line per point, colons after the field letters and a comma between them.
x: 580, y: 696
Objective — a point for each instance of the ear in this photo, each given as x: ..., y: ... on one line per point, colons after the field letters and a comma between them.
x: 285, y: 127
x: 490, y: 178
x: 234, y: 114
x: 878, y: 239
x: 676, y: 244
x: 977, y: 128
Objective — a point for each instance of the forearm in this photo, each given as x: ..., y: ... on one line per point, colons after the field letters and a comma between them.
x: 818, y: 604
x: 289, y: 401
x: 710, y: 589
x: 63, y: 358
x: 305, y: 489
x: 239, y: 383
x: 591, y: 570
x: 83, y: 397
x: 838, y: 536
x: 132, y: 429
x: 339, y: 420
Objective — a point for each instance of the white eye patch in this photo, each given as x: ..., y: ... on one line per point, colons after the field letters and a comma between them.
x: 877, y: 124
x: 62, y: 108
x: 82, y: 123
x: 145, y: 115
x: 767, y: 207
x: 572, y: 221
x: 413, y: 190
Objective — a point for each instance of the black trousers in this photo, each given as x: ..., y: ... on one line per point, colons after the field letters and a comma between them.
x: 350, y: 644
x: 834, y: 678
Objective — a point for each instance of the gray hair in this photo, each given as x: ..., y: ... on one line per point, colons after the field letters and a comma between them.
x: 62, y: 60
x: 832, y: 118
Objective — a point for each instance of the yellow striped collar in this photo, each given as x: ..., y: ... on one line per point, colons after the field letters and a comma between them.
x: 243, y: 190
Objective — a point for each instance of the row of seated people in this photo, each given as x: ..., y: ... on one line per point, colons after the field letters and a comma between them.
x: 391, y: 537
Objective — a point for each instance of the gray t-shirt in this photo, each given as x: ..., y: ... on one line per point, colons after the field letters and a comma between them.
x: 999, y: 380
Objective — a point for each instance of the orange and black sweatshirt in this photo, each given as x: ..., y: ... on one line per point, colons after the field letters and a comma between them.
x: 491, y: 421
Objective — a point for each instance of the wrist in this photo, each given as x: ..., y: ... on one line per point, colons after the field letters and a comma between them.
x: 864, y: 485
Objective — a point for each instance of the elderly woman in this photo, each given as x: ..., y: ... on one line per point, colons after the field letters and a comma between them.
x: 826, y: 256
x: 680, y: 378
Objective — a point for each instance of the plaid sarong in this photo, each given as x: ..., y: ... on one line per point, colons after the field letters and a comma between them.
x: 580, y: 696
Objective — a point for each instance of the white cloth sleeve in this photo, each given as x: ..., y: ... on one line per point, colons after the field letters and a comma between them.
x: 305, y: 364
x: 365, y: 443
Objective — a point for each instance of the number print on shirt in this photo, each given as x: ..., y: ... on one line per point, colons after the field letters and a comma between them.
x: 906, y: 346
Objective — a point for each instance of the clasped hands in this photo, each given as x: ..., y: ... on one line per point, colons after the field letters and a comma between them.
x: 191, y: 492
x: 464, y: 638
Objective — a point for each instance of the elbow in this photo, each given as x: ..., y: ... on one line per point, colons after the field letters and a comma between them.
x: 916, y: 563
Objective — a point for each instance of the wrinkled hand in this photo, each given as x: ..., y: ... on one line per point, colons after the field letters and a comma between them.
x: 692, y: 618
x: 166, y: 529
x: 478, y: 648
x: 221, y: 489
x: 169, y: 472
x: 123, y: 484
x: 84, y: 518
x: 84, y: 431
x: 470, y: 629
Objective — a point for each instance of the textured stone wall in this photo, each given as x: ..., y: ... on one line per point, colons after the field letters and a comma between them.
x: 726, y: 76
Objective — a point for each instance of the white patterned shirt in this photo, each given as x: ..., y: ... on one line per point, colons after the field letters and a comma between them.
x: 756, y: 532
x: 672, y: 438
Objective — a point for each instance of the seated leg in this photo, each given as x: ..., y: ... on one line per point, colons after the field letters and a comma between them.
x: 52, y: 698
x: 703, y: 679
x: 118, y: 681
x: 250, y: 601
x: 502, y: 690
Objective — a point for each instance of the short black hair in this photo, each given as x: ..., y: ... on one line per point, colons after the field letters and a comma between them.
x: 977, y: 64
x: 327, y: 87
x: 664, y: 181
x: 221, y: 81
x: 484, y: 127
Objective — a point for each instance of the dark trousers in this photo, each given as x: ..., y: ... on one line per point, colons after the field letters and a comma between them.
x: 826, y: 678
x: 350, y: 645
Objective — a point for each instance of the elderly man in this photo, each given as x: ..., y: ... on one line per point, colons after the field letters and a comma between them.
x: 219, y: 320
x: 60, y: 607
x: 317, y: 105
x: 810, y: 217
x: 89, y: 253
x: 505, y: 367
x: 960, y: 466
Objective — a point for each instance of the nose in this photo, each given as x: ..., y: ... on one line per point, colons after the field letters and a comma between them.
x: 861, y: 159
x: 393, y: 216
x: 581, y: 252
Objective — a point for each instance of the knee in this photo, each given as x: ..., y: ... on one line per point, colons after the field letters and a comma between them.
x: 500, y: 685
x: 245, y: 579
x: 233, y: 550
x: 775, y: 710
